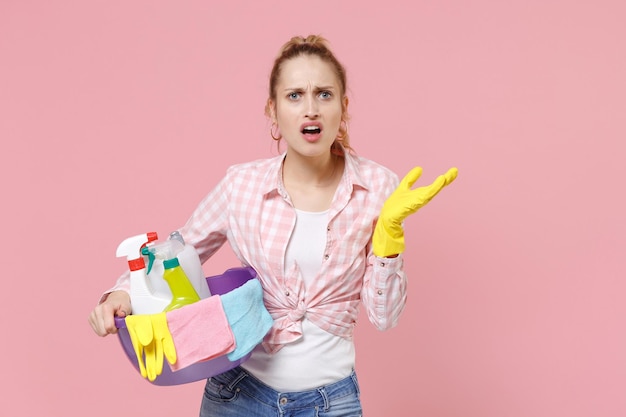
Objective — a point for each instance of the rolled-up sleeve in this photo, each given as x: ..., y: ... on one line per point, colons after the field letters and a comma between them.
x: 384, y: 291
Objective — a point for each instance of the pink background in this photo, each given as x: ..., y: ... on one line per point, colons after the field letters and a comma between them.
x: 116, y: 117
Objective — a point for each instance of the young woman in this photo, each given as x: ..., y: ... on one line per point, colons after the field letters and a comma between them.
x: 323, y: 229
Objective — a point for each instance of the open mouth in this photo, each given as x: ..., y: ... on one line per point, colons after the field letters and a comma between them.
x: 311, y: 130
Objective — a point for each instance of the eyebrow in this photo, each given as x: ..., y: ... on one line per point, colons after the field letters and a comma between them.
x: 315, y: 89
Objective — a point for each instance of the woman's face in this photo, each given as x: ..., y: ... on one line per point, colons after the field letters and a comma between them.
x: 309, y: 105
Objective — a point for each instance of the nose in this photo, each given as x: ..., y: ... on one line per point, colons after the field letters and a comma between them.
x: 312, y: 108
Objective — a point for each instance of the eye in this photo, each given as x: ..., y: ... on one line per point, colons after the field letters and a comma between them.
x: 293, y: 95
x: 325, y: 94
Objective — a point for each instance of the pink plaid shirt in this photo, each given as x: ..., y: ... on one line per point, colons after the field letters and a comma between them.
x: 251, y: 210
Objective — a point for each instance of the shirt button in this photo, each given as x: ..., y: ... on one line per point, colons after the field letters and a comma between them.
x: 382, y: 264
x: 380, y: 292
x: 328, y: 229
x: 287, y: 293
x: 326, y: 257
x: 283, y: 400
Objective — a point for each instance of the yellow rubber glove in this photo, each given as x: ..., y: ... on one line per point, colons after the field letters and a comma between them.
x: 388, y: 238
x: 151, y: 340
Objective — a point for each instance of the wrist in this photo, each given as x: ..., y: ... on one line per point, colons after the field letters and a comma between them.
x: 386, y: 244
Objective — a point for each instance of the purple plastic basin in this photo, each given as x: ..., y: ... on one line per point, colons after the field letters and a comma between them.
x: 218, y: 284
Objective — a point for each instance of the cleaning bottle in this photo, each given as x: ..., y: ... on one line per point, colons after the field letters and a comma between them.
x: 190, y: 262
x: 142, y: 298
x: 175, y: 271
x: 183, y: 292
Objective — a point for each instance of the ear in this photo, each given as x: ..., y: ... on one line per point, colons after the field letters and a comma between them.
x: 270, y: 110
x: 344, y: 104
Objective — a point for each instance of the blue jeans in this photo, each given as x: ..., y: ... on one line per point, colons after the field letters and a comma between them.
x: 236, y: 393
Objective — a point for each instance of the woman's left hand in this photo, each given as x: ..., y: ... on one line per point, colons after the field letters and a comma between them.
x: 388, y: 239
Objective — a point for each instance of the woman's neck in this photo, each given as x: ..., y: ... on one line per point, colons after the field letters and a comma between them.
x: 318, y: 172
x: 311, y: 185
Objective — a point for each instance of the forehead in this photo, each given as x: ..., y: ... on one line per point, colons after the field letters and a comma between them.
x: 307, y: 70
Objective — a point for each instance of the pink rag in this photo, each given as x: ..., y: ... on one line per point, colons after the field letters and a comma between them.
x: 200, y: 332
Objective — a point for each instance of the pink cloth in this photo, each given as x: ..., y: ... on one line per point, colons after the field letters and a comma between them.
x: 200, y: 332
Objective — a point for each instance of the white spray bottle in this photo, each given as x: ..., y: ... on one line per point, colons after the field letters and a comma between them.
x: 142, y: 298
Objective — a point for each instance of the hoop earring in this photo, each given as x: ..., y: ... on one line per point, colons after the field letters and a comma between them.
x: 272, y: 130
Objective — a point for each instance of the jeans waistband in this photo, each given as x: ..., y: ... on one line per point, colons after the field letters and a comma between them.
x: 321, y: 396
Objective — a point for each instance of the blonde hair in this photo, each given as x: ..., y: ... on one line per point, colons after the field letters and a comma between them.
x: 317, y: 46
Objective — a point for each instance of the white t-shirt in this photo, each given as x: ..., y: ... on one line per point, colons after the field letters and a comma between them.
x: 319, y: 357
